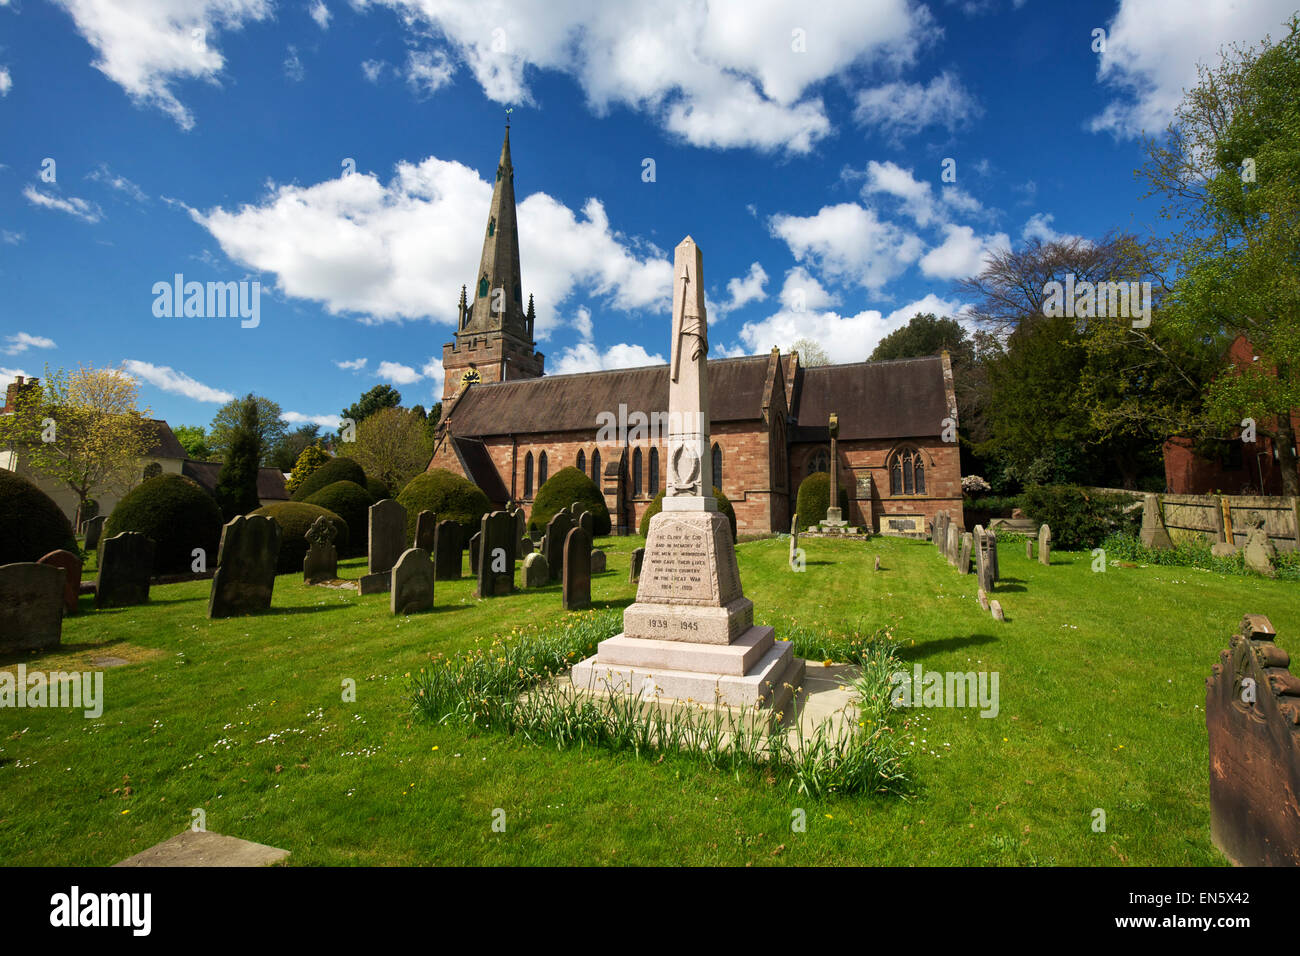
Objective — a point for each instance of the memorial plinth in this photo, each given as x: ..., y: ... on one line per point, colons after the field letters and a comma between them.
x: 691, y: 635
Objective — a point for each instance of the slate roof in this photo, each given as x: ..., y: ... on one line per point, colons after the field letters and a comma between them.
x: 270, y: 481
x: 473, y: 455
x: 904, y: 398
x: 165, y: 445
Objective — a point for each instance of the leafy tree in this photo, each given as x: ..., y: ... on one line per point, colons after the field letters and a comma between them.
x: 81, y: 430
x: 810, y: 353
x: 194, y: 439
x: 236, y: 490
x: 378, y: 398
x: 271, y: 426
x: 926, y: 334
x: 1229, y: 171
x: 392, y: 445
x: 311, y: 459
x: 286, y: 451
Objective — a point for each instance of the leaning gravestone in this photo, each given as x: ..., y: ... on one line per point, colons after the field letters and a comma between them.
x: 536, y: 573
x: 448, y: 553
x: 576, y: 586
x: 125, y: 564
x: 426, y: 524
x: 321, y: 562
x: 1044, y: 544
x: 412, y: 589
x: 557, y: 529
x: 94, y: 528
x: 598, y: 562
x: 963, y: 559
x: 587, y: 522
x: 983, y: 562
x: 634, y: 572
x: 387, y: 542
x: 31, y: 606
x: 1259, y: 551
x: 474, y: 541
x: 495, y: 568
x: 794, y: 540
x: 246, y: 560
x: 991, y: 541
x: 1154, y: 533
x: 70, y: 564
x: 1029, y: 548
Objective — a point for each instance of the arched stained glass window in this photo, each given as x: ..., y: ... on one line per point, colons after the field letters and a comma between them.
x: 654, y: 472
x: 541, y: 469
x: 582, y: 461
x: 906, y: 472
x: 636, y: 473
x: 717, y: 465
x: 528, y: 475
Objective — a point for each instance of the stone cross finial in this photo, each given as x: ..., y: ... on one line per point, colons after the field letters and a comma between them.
x: 322, y: 532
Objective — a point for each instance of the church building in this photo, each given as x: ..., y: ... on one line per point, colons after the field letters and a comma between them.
x: 507, y: 426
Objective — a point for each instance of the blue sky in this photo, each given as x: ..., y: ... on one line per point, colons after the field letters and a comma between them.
x: 802, y: 146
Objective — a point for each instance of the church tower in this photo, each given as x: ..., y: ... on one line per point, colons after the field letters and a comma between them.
x: 494, y: 331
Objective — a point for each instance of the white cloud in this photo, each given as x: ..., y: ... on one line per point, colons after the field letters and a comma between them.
x: 373, y: 69
x: 22, y: 341
x: 102, y: 174
x: 745, y: 289
x: 178, y: 383
x: 145, y: 48
x: 582, y: 322
x: 324, y: 421
x: 1153, y: 47
x: 293, y: 64
x: 354, y: 365
x: 433, y: 371
x: 1039, y: 226
x: 397, y: 373
x: 11, y: 238
x: 398, y: 250
x: 6, y: 81
x: 849, y: 242
x: 962, y: 253
x: 801, y: 292
x: 728, y: 73
x: 427, y: 71
x: 904, y: 109
x: 83, y: 210
x: 321, y: 14
x: 915, y: 196
x: 587, y: 357
x: 8, y: 374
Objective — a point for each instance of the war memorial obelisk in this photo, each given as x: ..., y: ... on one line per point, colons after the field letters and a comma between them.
x: 691, y: 635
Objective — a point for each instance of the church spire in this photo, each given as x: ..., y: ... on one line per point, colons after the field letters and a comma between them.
x: 498, y: 291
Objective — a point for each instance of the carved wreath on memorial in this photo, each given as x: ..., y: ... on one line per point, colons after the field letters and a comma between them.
x: 686, y: 471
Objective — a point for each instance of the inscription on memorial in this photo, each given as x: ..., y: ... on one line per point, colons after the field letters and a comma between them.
x: 679, y: 565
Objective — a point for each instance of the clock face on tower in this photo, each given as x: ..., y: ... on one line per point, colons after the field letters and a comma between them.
x: 471, y: 375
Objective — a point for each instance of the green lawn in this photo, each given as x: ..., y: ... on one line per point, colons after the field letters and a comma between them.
x: 1101, y: 685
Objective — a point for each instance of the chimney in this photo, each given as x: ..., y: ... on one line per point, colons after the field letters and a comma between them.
x: 15, y: 389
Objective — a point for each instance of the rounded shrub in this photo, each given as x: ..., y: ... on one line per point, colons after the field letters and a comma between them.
x: 177, y: 513
x: 31, y: 524
x: 1080, y: 518
x: 724, y: 505
x: 565, y: 487
x: 336, y: 469
x: 449, y: 496
x: 815, y: 497
x: 294, y: 518
x: 378, y: 490
x: 351, y: 502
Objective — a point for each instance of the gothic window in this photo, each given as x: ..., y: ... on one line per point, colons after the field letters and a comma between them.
x: 492, y: 227
x: 528, y: 475
x: 717, y: 465
x: 595, y: 467
x: 152, y: 470
x: 636, y: 473
x: 541, y: 469
x: 654, y: 472
x: 906, y: 472
x: 483, y: 287
x: 582, y: 461
x: 820, y: 461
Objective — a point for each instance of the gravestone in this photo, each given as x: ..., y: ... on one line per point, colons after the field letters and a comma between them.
x: 94, y: 528
x: 963, y: 559
x: 952, y: 545
x: 321, y: 563
x: 634, y: 572
x: 426, y: 529
x: 557, y: 529
x: 525, y: 546
x: 991, y: 540
x: 587, y: 522
x: 246, y: 560
x: 495, y: 569
x: 1154, y: 533
x: 983, y: 560
x: 939, y: 530
x: 521, y: 523
x: 125, y: 564
x: 70, y: 564
x: 474, y: 541
x: 1044, y: 544
x: 1258, y: 551
x: 996, y: 608
x: 982, y: 596
x: 1029, y: 548
x: 597, y: 562
x: 412, y: 589
x: 448, y: 554
x: 536, y: 573
x: 1252, y: 702
x: 387, y: 542
x: 794, y: 540
x: 576, y: 581
x: 31, y: 606
x: 877, y: 566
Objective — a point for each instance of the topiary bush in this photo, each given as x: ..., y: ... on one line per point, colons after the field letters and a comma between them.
x: 815, y: 497
x: 449, y: 496
x: 724, y: 505
x: 351, y: 502
x: 336, y: 469
x: 378, y: 490
x: 566, y: 486
x: 178, y: 514
x: 294, y: 518
x: 31, y: 524
x: 1080, y: 518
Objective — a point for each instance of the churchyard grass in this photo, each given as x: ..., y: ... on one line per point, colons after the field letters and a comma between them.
x: 1101, y: 708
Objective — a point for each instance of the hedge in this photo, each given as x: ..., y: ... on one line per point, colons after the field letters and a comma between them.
x: 178, y: 514
x: 337, y: 469
x: 31, y: 524
x: 449, y: 496
x: 294, y: 518
x: 814, y: 498
x: 1080, y: 518
x: 351, y: 502
x: 724, y: 505
x: 564, y: 488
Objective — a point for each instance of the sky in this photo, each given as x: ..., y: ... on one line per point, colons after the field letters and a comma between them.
x: 840, y: 164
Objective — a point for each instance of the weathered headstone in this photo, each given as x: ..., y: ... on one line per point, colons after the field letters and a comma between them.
x: 1044, y: 544
x: 94, y: 528
x: 963, y: 559
x: 634, y: 572
x: 525, y: 546
x: 1259, y: 551
x: 983, y: 559
x: 495, y: 568
x: 70, y: 564
x: 1154, y: 534
x: 412, y: 588
x: 246, y: 560
x: 982, y: 596
x: 521, y: 522
x: 587, y: 522
x: 474, y: 541
x: 536, y: 573
x: 794, y: 542
x: 1252, y: 703
x: 448, y: 554
x: 597, y: 561
x: 321, y: 563
x: 557, y: 529
x: 877, y: 567
x: 996, y: 608
x: 991, y: 542
x: 31, y: 606
x: 426, y: 527
x: 387, y: 542
x: 125, y: 563
x: 576, y: 580
x: 951, y: 551
x: 1029, y: 548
